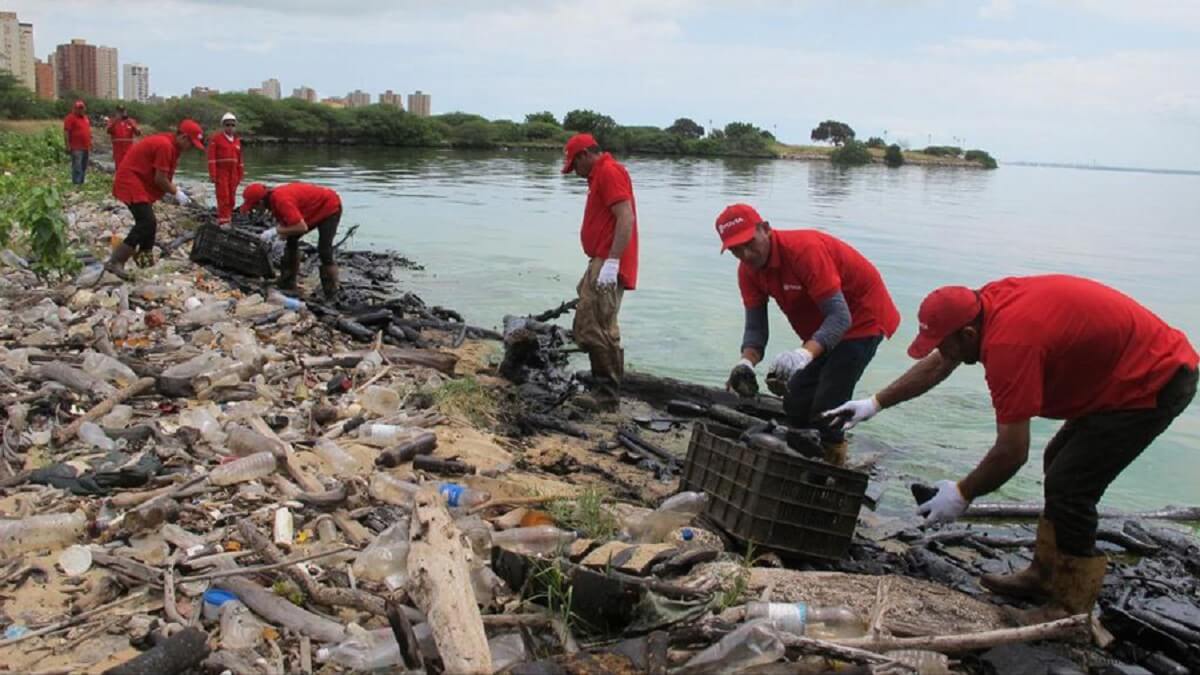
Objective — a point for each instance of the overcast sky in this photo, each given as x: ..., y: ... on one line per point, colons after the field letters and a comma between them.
x: 1111, y: 81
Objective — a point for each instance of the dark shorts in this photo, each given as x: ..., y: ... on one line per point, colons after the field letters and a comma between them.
x: 826, y: 383
x: 145, y: 227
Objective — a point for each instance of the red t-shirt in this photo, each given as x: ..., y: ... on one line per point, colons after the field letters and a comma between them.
x: 295, y: 201
x: 134, y: 182
x: 608, y: 185
x: 1063, y: 347
x: 122, y: 130
x: 805, y: 268
x: 79, y: 132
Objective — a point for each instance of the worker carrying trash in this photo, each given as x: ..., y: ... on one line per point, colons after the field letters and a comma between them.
x: 300, y: 208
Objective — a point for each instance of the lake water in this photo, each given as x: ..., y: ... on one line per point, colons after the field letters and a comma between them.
x: 497, y: 233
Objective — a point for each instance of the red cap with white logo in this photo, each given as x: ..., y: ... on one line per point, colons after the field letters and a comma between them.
x: 942, y: 312
x: 736, y: 225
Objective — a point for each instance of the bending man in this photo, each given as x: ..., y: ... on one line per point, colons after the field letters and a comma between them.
x: 300, y: 208
x: 1060, y: 347
x: 834, y: 299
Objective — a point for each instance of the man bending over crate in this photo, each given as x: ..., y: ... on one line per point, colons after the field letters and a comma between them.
x: 299, y: 209
x: 834, y: 299
x: 1061, y: 347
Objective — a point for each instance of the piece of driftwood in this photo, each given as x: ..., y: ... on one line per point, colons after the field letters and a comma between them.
x: 176, y: 654
x: 660, y: 390
x: 1073, y: 626
x: 800, y: 645
x: 103, y: 408
x: 279, y: 611
x: 439, y: 568
x: 1034, y: 510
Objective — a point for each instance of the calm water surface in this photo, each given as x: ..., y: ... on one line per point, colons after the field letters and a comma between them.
x: 498, y: 233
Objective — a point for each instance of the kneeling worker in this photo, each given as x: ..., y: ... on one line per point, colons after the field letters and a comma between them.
x: 145, y: 175
x: 834, y: 299
x: 1061, y: 347
x: 299, y: 209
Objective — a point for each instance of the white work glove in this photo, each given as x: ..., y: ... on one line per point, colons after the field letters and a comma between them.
x: 786, y: 364
x: 181, y: 197
x: 269, y: 235
x: 608, y: 273
x: 947, y: 505
x: 853, y: 412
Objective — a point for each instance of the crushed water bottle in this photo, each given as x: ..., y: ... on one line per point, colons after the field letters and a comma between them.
x: 674, y: 513
x: 387, y: 488
x: 342, y: 462
x: 753, y: 644
x: 801, y: 618
x: 93, y: 435
x: 45, y: 531
x: 386, y: 558
x: 380, y: 401
x: 461, y: 496
x: 537, y: 540
x: 386, y: 435
x: 253, y: 467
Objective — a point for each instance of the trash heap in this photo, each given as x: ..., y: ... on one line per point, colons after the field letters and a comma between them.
x: 200, y: 475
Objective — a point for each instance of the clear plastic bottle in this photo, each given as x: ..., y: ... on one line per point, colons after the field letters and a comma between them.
x: 371, y: 362
x: 379, y: 400
x: 93, y: 435
x: 800, y: 618
x: 107, y: 368
x: 245, y: 442
x: 753, y: 644
x: 197, y: 365
x: 342, y: 462
x: 364, y: 650
x: 240, y: 628
x: 692, y: 503
x: 541, y: 539
x: 255, y: 466
x: 205, y: 314
x: 118, y: 418
x: 391, y: 490
x: 386, y: 435
x: 285, y: 301
x: 478, y: 534
x: 386, y: 558
x: 674, y: 513
x: 461, y: 496
x: 38, y: 532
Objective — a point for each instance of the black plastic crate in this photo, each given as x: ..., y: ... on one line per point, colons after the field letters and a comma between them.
x: 794, y: 506
x: 237, y: 249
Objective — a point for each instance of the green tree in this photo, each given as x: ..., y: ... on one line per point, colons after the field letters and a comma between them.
x: 832, y: 131
x: 981, y: 156
x: 537, y: 131
x: 876, y: 142
x: 544, y: 117
x: 851, y: 153
x: 686, y: 127
x: 588, y: 121
x: 507, y: 131
x: 473, y: 134
x: 893, y: 157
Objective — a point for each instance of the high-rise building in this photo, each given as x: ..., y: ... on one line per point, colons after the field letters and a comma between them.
x: 255, y: 91
x: 43, y: 74
x: 334, y: 102
x: 75, y: 68
x: 391, y: 98
x: 203, y: 92
x: 106, y: 73
x: 418, y: 103
x: 358, y: 99
x: 271, y: 89
x: 25, y: 57
x: 16, y: 49
x: 137, y: 82
x: 305, y: 94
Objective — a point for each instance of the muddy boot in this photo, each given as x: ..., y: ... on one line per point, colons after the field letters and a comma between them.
x: 605, y: 393
x: 329, y: 282
x: 116, y: 262
x: 835, y: 452
x: 289, y: 268
x: 1075, y: 584
x: 1033, y: 582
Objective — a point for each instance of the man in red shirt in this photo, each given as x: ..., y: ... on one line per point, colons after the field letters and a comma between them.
x: 225, y: 166
x: 834, y: 299
x: 147, y: 173
x: 610, y: 241
x: 299, y: 209
x: 122, y: 129
x: 77, y: 130
x: 1060, y: 347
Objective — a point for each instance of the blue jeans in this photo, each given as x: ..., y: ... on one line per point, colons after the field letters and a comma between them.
x: 79, y: 162
x: 826, y: 383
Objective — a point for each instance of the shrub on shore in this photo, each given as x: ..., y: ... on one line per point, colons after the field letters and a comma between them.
x: 852, y: 153
x: 981, y: 156
x: 876, y: 142
x: 893, y: 156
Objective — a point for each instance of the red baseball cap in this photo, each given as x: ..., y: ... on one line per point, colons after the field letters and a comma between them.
x: 736, y: 225
x: 577, y: 144
x: 942, y: 312
x: 79, y: 103
x: 193, y: 131
x: 252, y: 195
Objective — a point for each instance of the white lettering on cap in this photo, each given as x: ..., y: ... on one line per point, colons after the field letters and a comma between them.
x: 728, y: 224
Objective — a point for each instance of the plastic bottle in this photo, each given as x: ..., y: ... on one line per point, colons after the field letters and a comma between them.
x: 197, y: 365
x: 203, y: 420
x: 391, y: 490
x: 461, y: 496
x: 93, y: 435
x: 421, y: 444
x: 386, y: 558
x: 205, y: 315
x: 368, y: 650
x: 107, y: 368
x: 379, y: 400
x: 800, y: 618
x: 385, y: 435
x: 285, y: 301
x: 342, y: 462
x: 245, y: 469
x: 240, y: 629
x: 541, y: 539
x: 478, y: 533
x: 674, y: 513
x: 118, y: 418
x: 371, y: 362
x: 245, y: 442
x: 753, y: 644
x: 87, y: 278
x: 38, y: 532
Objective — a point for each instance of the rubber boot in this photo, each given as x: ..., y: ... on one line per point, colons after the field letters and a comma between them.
x: 835, y: 452
x: 1033, y: 582
x: 329, y: 282
x: 1075, y: 585
x: 605, y: 393
x: 289, y: 268
x: 116, y: 262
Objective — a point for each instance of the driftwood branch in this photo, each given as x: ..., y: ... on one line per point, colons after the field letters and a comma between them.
x: 278, y: 610
x: 952, y: 644
x: 1034, y: 510
x: 103, y: 408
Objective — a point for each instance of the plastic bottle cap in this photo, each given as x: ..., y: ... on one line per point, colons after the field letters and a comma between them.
x: 453, y: 493
x: 687, y: 534
x: 218, y: 597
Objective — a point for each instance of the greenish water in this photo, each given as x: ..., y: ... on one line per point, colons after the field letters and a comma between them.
x: 498, y: 232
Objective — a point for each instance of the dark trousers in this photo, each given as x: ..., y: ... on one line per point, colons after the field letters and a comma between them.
x: 145, y: 227
x: 79, y: 162
x: 326, y: 231
x: 826, y: 383
x: 1088, y: 453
